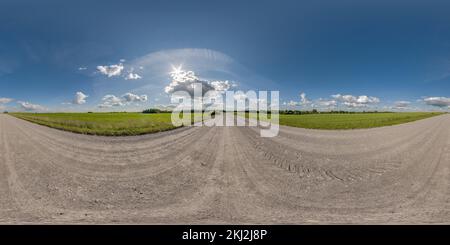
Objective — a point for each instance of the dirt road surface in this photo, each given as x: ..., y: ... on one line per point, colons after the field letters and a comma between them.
x: 227, y: 175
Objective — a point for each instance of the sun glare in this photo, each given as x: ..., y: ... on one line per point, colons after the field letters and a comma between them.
x: 176, y: 70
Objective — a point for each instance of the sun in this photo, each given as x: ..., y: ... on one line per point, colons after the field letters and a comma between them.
x: 180, y: 75
x: 176, y: 71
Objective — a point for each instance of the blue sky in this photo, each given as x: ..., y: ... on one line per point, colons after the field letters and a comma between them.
x: 340, y: 54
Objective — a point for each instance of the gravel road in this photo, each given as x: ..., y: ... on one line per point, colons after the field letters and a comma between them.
x: 229, y: 175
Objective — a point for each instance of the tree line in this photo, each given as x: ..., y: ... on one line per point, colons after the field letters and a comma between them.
x: 286, y: 112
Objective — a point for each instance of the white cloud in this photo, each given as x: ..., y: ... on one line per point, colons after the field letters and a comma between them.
x: 292, y: 103
x: 303, y: 99
x: 364, y: 99
x: 221, y: 85
x: 437, y: 101
x: 164, y: 107
x: 5, y: 100
x: 354, y: 105
x: 82, y: 68
x: 327, y: 103
x: 114, y: 101
x: 112, y: 70
x: 356, y: 101
x: 30, y: 107
x: 129, y: 97
x: 110, y: 101
x: 79, y: 98
x: 402, y: 104
x: 132, y: 76
x: 187, y: 81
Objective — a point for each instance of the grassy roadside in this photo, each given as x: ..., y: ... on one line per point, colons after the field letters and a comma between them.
x: 350, y: 121
x: 107, y: 124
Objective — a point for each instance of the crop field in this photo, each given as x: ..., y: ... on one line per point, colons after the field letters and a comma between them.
x: 350, y: 121
x: 123, y: 124
x: 110, y: 124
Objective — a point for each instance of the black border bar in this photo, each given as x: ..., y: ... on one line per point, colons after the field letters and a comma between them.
x: 274, y: 233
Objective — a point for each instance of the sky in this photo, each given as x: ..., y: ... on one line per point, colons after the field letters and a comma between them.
x: 129, y: 55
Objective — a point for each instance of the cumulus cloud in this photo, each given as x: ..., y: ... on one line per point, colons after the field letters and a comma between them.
x: 356, y: 101
x: 79, y: 99
x: 327, y: 103
x: 437, y: 101
x: 187, y: 81
x: 292, y: 103
x: 132, y: 76
x: 112, y: 70
x: 30, y: 107
x: 82, y: 68
x: 110, y: 100
x: 5, y: 100
x: 304, y: 100
x: 164, y: 107
x: 221, y: 85
x: 401, y: 104
x: 129, y: 97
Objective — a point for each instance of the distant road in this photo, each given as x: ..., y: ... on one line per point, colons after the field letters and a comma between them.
x: 395, y: 174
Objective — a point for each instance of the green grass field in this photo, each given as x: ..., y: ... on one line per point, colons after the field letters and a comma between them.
x: 110, y: 124
x: 350, y: 121
x: 121, y: 124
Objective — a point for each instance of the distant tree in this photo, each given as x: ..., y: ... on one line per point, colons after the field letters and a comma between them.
x: 151, y: 110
